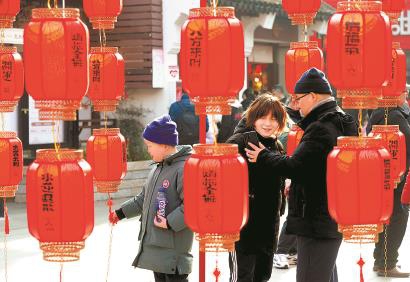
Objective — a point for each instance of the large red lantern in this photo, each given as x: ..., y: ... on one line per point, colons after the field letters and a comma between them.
x: 294, y: 137
x: 60, y: 203
x: 393, y: 8
x: 11, y: 159
x: 212, y: 58
x: 395, y: 142
x: 12, y: 78
x: 397, y: 82
x: 301, y: 11
x: 56, y: 62
x: 358, y: 203
x: 102, y: 13
x: 8, y: 11
x: 300, y: 57
x: 216, y: 195
x: 107, y: 78
x: 107, y: 155
x: 359, y: 44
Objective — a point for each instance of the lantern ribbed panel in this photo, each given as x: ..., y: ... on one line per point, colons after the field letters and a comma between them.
x: 294, y: 137
x: 8, y: 11
x: 359, y: 45
x: 358, y: 203
x: 60, y: 203
x: 212, y: 59
x: 56, y: 45
x: 107, y: 155
x: 216, y: 195
x: 301, y: 11
x: 11, y: 163
x: 102, y: 13
x: 300, y: 57
x: 393, y: 8
x: 12, y: 78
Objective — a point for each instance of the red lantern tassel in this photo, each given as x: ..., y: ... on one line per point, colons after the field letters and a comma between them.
x: 361, y: 262
x: 217, y: 273
x: 6, y: 219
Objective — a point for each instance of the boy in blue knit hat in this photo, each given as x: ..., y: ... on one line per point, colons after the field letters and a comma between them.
x: 165, y: 240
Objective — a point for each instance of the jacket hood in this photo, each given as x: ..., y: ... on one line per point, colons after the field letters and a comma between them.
x: 183, y: 153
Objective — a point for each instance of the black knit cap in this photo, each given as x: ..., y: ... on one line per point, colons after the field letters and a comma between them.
x: 313, y: 80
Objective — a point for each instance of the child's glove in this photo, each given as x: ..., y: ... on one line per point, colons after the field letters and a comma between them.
x: 405, y: 195
x: 113, y: 218
x: 161, y: 222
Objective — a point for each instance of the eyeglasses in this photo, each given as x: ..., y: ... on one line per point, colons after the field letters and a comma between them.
x: 296, y: 100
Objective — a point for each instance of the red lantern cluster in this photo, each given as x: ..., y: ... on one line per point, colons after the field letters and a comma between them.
x: 212, y: 58
x: 216, y: 195
x: 358, y: 203
x: 56, y: 45
x: 300, y: 57
x: 294, y: 137
x: 393, y: 8
x: 107, y: 155
x: 11, y: 159
x: 8, y: 11
x: 12, y: 78
x: 359, y: 44
x: 60, y: 203
x: 107, y: 78
x: 301, y: 11
x: 102, y: 13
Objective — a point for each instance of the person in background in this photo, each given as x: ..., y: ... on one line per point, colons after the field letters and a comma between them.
x: 247, y: 98
x: 227, y: 124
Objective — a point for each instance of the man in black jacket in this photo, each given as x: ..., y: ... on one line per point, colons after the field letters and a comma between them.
x: 308, y: 218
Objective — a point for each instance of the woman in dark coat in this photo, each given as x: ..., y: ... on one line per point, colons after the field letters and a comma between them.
x: 258, y: 238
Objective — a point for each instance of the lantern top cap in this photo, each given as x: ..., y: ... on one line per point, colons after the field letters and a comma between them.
x: 358, y: 142
x: 52, y: 155
x: 361, y: 6
x: 56, y: 13
x: 215, y: 149
x: 8, y: 49
x: 385, y: 128
x: 106, y: 131
x: 7, y: 134
x: 396, y: 45
x: 303, y: 44
x: 108, y: 50
x: 221, y: 12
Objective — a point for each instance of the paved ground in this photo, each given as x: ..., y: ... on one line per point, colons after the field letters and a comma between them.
x: 25, y: 261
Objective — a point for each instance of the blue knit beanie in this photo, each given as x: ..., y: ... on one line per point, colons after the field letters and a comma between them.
x: 162, y: 130
x: 313, y: 80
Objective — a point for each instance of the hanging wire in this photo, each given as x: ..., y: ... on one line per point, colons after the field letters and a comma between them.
x: 61, y: 271
x: 359, y: 129
x: 105, y: 120
x: 2, y: 119
x: 214, y: 129
x: 109, y: 204
x: 386, y: 115
x: 305, y: 32
x: 56, y: 136
x: 385, y: 251
x: 5, y: 241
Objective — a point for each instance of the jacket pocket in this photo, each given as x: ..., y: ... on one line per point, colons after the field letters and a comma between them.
x: 161, y: 237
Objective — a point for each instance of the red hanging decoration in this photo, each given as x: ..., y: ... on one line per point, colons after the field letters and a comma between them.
x: 56, y: 45
x: 358, y: 203
x: 300, y: 57
x: 12, y: 78
x: 60, y: 203
x: 8, y: 11
x: 393, y: 9
x: 216, y: 195
x: 212, y: 58
x: 11, y: 159
x: 107, y: 80
x: 301, y: 11
x: 107, y: 155
x: 361, y: 263
x: 102, y: 13
x: 294, y: 137
x: 359, y: 44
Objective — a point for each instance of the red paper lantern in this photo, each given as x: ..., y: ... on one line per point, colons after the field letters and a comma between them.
x: 56, y: 62
x: 216, y: 195
x: 359, y: 45
x: 300, y: 57
x: 397, y: 82
x: 212, y: 58
x: 301, y: 11
x: 395, y: 142
x: 294, y: 137
x: 393, y: 9
x: 359, y: 187
x: 107, y: 78
x: 8, y: 11
x: 60, y: 203
x: 11, y: 158
x: 107, y: 155
x: 12, y: 78
x: 102, y: 13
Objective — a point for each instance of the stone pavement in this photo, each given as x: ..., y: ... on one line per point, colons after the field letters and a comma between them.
x: 25, y: 261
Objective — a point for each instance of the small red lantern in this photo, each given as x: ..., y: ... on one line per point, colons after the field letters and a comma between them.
x: 301, y: 11
x: 359, y: 44
x: 397, y: 82
x: 216, y: 195
x: 107, y: 155
x: 358, y: 203
x: 212, y: 58
x: 294, y: 137
x: 300, y: 57
x: 56, y: 62
x: 8, y: 11
x: 11, y: 157
x: 102, y: 13
x: 60, y: 203
x: 395, y: 142
x: 393, y: 9
x: 12, y: 78
x: 107, y: 78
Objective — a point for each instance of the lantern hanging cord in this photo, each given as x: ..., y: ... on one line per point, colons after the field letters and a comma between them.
x: 386, y: 115
x: 109, y: 204
x: 103, y: 38
x: 61, y: 271
x: 6, y: 232
x: 360, y: 117
x: 305, y: 32
x: 214, y: 129
x: 2, y: 120
x: 55, y: 6
x: 56, y: 136
x: 385, y: 251
x: 105, y: 120
x: 2, y: 36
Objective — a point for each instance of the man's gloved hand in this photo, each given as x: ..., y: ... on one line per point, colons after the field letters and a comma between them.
x: 405, y: 195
